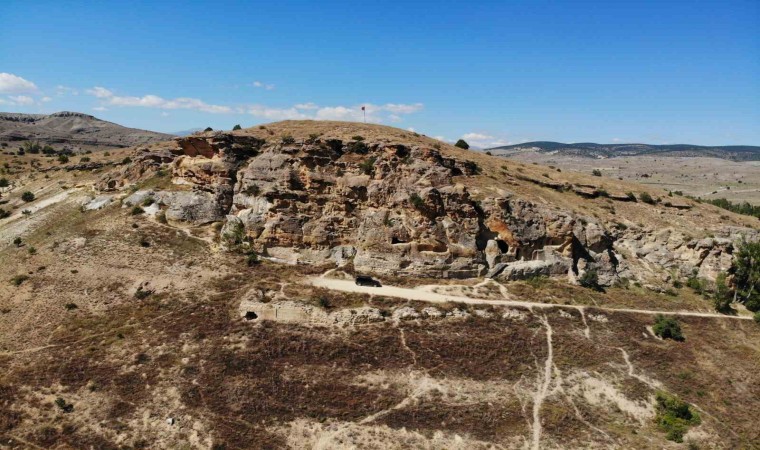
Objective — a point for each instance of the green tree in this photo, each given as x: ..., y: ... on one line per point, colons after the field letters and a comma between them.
x: 723, y: 296
x: 746, y: 270
x: 237, y: 127
x: 462, y: 144
x: 27, y: 197
x: 667, y: 327
x: 4, y: 182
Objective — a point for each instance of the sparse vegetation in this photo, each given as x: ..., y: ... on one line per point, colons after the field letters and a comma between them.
x: 63, y: 159
x: 368, y: 165
x: 590, y: 280
x: 416, y: 201
x: 674, y: 416
x: 596, y: 173
x: 646, y: 198
x: 667, y: 327
x: 63, y: 405
x: 287, y: 140
x: 18, y: 280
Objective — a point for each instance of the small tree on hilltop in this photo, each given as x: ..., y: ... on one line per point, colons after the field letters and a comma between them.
x: 237, y: 127
x: 462, y: 144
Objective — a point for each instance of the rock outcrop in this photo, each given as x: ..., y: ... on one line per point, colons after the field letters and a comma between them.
x: 389, y: 208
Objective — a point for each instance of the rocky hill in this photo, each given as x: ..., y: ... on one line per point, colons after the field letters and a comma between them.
x: 591, y: 150
x: 394, y: 203
x: 72, y: 129
x: 199, y: 293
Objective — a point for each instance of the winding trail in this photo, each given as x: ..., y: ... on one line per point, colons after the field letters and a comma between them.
x: 543, y: 389
x: 434, y: 297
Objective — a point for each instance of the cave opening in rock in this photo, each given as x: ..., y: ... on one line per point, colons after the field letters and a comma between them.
x: 250, y: 315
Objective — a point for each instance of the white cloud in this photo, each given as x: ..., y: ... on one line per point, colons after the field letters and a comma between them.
x: 401, y: 108
x: 275, y: 113
x: 481, y: 140
x: 63, y: 90
x: 442, y: 139
x: 154, y: 101
x: 394, y: 118
x: 411, y: 129
x: 306, y: 106
x: 23, y: 100
x: 100, y: 108
x: 45, y: 99
x: 164, y: 114
x: 100, y: 92
x: 476, y: 136
x: 259, y: 84
x: 12, y: 84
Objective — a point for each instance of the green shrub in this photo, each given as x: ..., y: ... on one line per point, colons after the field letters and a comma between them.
x: 358, y: 138
x: 696, y: 284
x: 252, y: 189
x: 462, y: 144
x: 252, y: 259
x: 142, y: 294
x: 674, y: 416
x: 208, y: 129
x: 63, y: 159
x: 368, y: 165
x: 237, y: 127
x: 416, y: 201
x: 590, y: 280
x: 667, y: 327
x: 19, y: 279
x: 757, y: 317
x: 137, y: 211
x: 126, y: 160
x: 723, y: 297
x: 84, y: 159
x: 631, y: 196
x: 148, y: 201
x: 596, y: 173
x: 27, y: 197
x: 4, y: 182
x: 288, y: 139
x: 17, y: 241
x: 746, y: 270
x: 63, y: 405
x: 646, y: 198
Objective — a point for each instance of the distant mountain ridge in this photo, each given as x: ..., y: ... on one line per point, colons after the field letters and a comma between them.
x: 73, y: 128
x: 593, y: 150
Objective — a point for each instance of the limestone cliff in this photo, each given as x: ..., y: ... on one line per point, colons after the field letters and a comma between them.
x: 407, y: 207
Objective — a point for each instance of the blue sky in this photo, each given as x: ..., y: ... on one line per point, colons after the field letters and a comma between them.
x: 494, y: 72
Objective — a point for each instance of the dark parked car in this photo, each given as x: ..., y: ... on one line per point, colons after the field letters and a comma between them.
x: 363, y: 280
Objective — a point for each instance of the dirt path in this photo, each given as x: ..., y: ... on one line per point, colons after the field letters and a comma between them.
x: 543, y: 388
x: 433, y: 297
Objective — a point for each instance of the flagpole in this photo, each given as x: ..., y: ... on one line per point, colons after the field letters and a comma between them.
x: 364, y: 110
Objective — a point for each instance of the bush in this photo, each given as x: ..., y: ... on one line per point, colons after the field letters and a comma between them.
x: 695, y: 284
x: 237, y: 127
x: 631, y: 196
x: 358, y: 138
x: 596, y: 173
x: 17, y: 241
x: 27, y: 197
x: 63, y: 159
x: 48, y: 150
x: 674, y: 416
x: 416, y: 201
x: 590, y: 280
x: 142, y: 294
x: 208, y: 129
x: 368, y: 165
x: 462, y: 144
x: 723, y: 297
x: 757, y: 317
x: 70, y: 306
x: 252, y: 259
x: 252, y: 190
x: 667, y: 327
x: 646, y: 198
x: 19, y: 279
x: 288, y: 139
x: 84, y: 159
x: 137, y: 211
x: 4, y: 182
x: 126, y: 160
x: 63, y: 405
x: 746, y: 270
